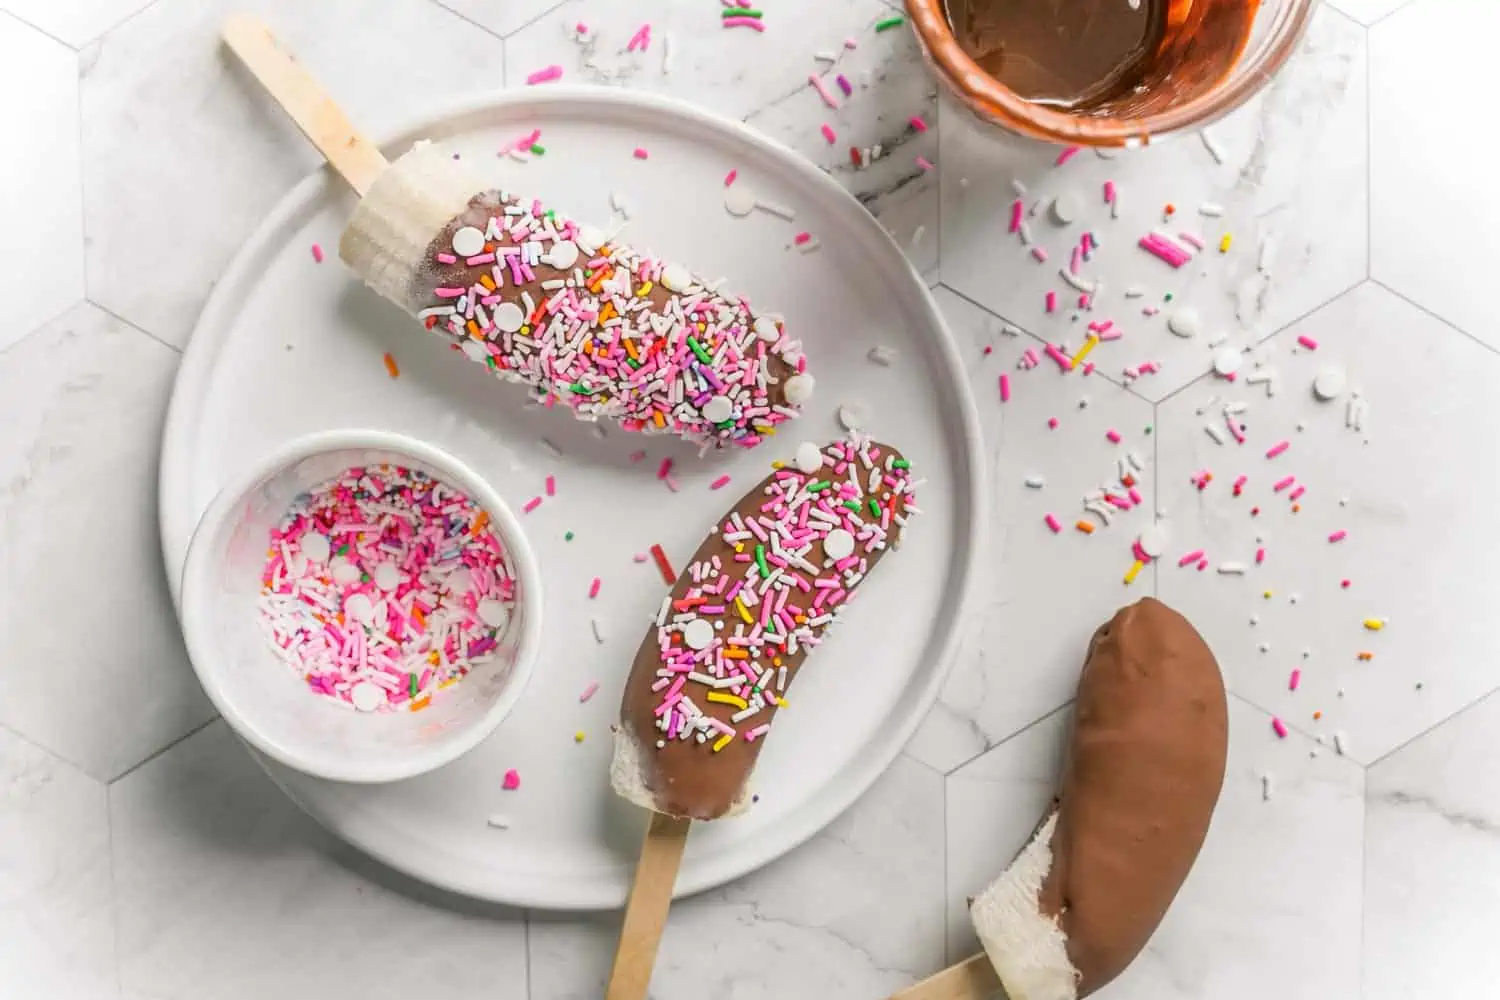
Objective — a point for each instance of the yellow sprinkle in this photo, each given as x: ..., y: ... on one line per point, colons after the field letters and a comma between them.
x: 722, y: 742
x: 1083, y: 352
x: 578, y: 736
x: 1224, y: 243
x: 1135, y: 569
x: 1373, y: 624
x: 727, y: 699
x: 745, y: 614
x: 780, y: 702
x: 1267, y: 595
x: 765, y: 429
x: 643, y: 291
x: 774, y: 465
x: 739, y: 547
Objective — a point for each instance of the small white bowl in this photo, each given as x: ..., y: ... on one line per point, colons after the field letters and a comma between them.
x: 264, y: 700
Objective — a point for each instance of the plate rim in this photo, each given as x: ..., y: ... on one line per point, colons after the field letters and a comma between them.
x: 856, y: 778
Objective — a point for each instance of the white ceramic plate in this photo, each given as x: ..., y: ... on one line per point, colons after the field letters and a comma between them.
x: 286, y: 346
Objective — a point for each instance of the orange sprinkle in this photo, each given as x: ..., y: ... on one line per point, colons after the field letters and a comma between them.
x: 600, y: 278
x: 480, y: 521
x: 1366, y: 657
x: 390, y: 365
x: 473, y: 328
x: 487, y: 282
x: 1296, y: 508
x: 659, y: 421
x: 630, y: 349
x: 608, y: 312
x: 775, y: 661
x: 1171, y: 208
x: 421, y: 703
x: 1085, y: 527
x: 432, y: 657
x: 1317, y: 716
x: 418, y: 617
x: 735, y: 653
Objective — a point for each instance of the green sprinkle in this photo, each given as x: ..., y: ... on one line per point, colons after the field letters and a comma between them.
x: 1167, y: 297
x: 1148, y: 428
x: 578, y: 388
x: 413, y: 684
x: 343, y: 549
x: 538, y: 149
x: 852, y: 505
x: 740, y: 12
x: 703, y: 355
x: 889, y: 23
x: 568, y: 537
x: 760, y: 560
x: 901, y: 463
x: 819, y: 486
x: 874, y: 508
x: 632, y: 362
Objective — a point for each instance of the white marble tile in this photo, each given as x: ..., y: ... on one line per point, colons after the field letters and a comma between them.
x: 92, y: 663
x: 76, y: 22
x: 1369, y: 11
x: 503, y: 18
x: 1417, y: 496
x: 1432, y: 227
x: 226, y: 889
x: 1432, y: 868
x: 1293, y: 174
x: 1273, y: 903
x: 856, y: 912
x: 41, y: 255
x: 1043, y: 594
x: 56, y: 933
x: 184, y: 154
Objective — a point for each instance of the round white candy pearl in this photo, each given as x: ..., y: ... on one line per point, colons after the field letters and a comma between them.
x: 474, y: 350
x: 799, y: 389
x: 508, y: 317
x: 1329, y: 384
x: 387, y: 576
x: 739, y: 200
x: 1184, y: 322
x: 838, y: 545
x: 367, y: 697
x: 809, y: 458
x: 1227, y: 361
x: 852, y: 416
x: 345, y: 571
x: 468, y: 242
x: 563, y: 255
x: 766, y: 329
x: 358, y: 608
x: 1154, y: 541
x: 590, y: 238
x: 494, y: 613
x: 316, y: 547
x: 676, y: 277
x: 1065, y: 207
x: 698, y: 634
x: 718, y: 410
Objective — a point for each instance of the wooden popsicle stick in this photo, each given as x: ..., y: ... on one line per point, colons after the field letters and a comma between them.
x: 971, y: 979
x: 646, y: 909
x: 324, y: 122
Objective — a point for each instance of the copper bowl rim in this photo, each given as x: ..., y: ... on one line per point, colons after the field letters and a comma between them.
x: 978, y: 89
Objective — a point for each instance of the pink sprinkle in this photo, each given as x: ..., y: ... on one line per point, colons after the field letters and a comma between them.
x: 1052, y: 302
x: 1297, y: 493
x: 830, y: 134
x: 801, y: 238
x: 640, y: 153
x: 844, y: 84
x: 640, y: 557
x: 1282, y: 484
x: 1052, y: 423
x: 1277, y: 449
x: 1109, y: 192
x: 552, y: 486
x: 638, y: 456
x: 729, y: 178
x: 641, y: 38
x: 553, y: 72
x: 1165, y: 249
x: 512, y: 780
x: 1063, y: 361
x: 1017, y: 207
x: 924, y: 163
x: 1075, y: 261
x: 1053, y: 523
x: 1280, y: 727
x: 1191, y: 557
x: 1202, y: 565
x: 918, y: 124
x: 581, y: 28
x: 1067, y: 155
x: 1295, y: 681
x: 594, y: 589
x: 719, y: 484
x: 814, y: 81
x: 672, y: 484
x: 1260, y: 556
x: 1338, y: 536
x: 1088, y: 368
x: 317, y: 253
x: 850, y: 44
x: 1004, y: 388
x: 531, y: 505
x: 1039, y: 254
x: 743, y: 22
x: 447, y: 258
x: 1239, y: 483
x: 664, y: 469
x: 589, y: 692
x: 1113, y: 435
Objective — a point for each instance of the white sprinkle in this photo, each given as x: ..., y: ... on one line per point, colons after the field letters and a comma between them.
x: 1134, y: 292
x: 598, y: 630
x: 825, y: 57
x: 1265, y: 647
x: 498, y: 822
x: 1212, y: 430
x: 1035, y: 482
x: 1008, y: 330
x: 916, y: 237
x: 1340, y: 741
x: 1079, y: 284
x: 1015, y: 185
x: 1210, y: 209
x: 1255, y: 619
x: 882, y: 355
x: 1234, y: 568
x: 781, y: 211
x: 1065, y: 208
x: 1184, y: 322
x: 852, y: 416
x: 1265, y: 788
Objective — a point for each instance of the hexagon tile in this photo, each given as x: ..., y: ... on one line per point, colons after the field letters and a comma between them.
x: 226, y: 889
x: 855, y: 913
x: 77, y: 22
x: 1369, y: 11
x: 502, y: 18
x: 1432, y: 872
x: 1290, y: 193
x: 107, y: 684
x: 41, y: 256
x: 56, y: 929
x: 1043, y: 594
x: 1411, y: 534
x: 1433, y: 230
x: 733, y: 73
x: 184, y: 153
x: 1276, y: 886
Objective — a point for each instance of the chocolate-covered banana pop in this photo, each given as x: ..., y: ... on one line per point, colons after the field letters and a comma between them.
x: 570, y: 312
x: 755, y: 600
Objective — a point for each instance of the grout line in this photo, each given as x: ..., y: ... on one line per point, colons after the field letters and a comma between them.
x: 50, y: 753
x: 1389, y: 14
x: 469, y: 20
x: 39, y: 30
x: 114, y: 887
x: 943, y: 892
x: 1428, y: 312
x: 181, y: 739
x: 1026, y: 728
x: 546, y: 13
x: 526, y: 941
x: 134, y: 326
x: 120, y: 23
x: 1441, y: 722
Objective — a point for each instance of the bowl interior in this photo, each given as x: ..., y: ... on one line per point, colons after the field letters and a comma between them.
x: 266, y: 700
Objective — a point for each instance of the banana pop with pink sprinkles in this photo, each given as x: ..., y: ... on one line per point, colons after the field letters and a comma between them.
x: 384, y: 586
